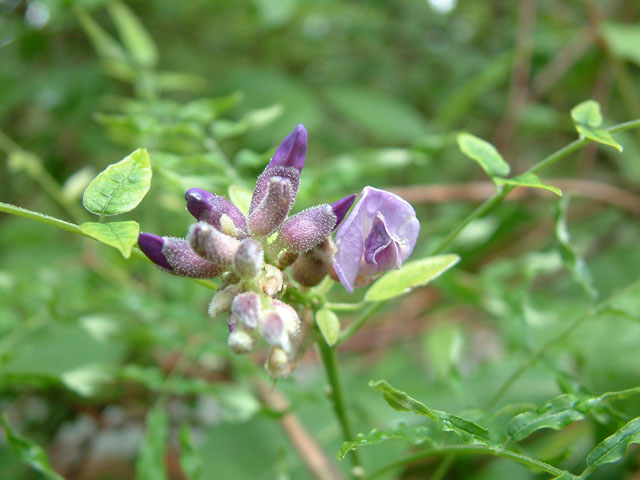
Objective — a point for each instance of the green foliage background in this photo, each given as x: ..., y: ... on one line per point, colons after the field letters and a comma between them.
x: 113, y: 367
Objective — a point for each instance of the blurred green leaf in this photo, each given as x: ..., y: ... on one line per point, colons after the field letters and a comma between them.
x: 468, y: 431
x: 484, y: 154
x: 329, y: 325
x: 612, y: 448
x: 415, y: 434
x: 106, y: 46
x: 29, y: 452
x: 150, y: 464
x: 87, y: 380
x: 133, y: 34
x: 223, y: 129
x: 623, y: 39
x: 120, y: 235
x: 587, y: 118
x: 529, y: 180
x: 190, y: 460
x: 557, y: 413
x: 412, y: 274
x: 121, y: 186
x: 574, y: 262
x: 240, y: 197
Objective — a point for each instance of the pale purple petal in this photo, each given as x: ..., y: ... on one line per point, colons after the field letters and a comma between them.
x: 292, y: 151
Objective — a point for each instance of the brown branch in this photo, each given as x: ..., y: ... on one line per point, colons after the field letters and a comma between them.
x: 480, y: 191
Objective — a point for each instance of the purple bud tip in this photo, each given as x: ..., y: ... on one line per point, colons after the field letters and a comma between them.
x: 292, y: 151
x: 197, y: 201
x: 341, y: 207
x: 151, y: 245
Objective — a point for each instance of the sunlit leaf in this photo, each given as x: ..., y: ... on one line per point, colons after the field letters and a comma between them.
x: 467, y: 430
x: 133, y: 34
x: 28, y: 451
x: 529, y: 180
x: 416, y: 434
x: 150, y: 464
x: 411, y: 275
x: 121, y: 186
x: 557, y: 413
x: 120, y: 235
x: 484, y: 154
x: 87, y: 380
x: 329, y: 325
x: 588, y: 118
x: 615, y: 446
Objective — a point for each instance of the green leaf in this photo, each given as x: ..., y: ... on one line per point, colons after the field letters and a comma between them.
x: 411, y: 275
x: 329, y: 325
x: 29, y: 452
x: 557, y: 413
x: 467, y: 430
x: 190, y: 459
x: 133, y: 34
x: 530, y: 180
x: 588, y: 118
x: 615, y: 446
x: 240, y: 197
x: 623, y: 39
x: 106, y: 46
x: 121, y: 186
x: 87, y: 380
x: 150, y: 464
x: 416, y: 434
x: 484, y: 154
x: 574, y: 262
x: 120, y: 235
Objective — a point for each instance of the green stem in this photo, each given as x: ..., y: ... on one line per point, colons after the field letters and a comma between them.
x: 497, y: 198
x: 540, y: 352
x: 329, y: 360
x: 344, y: 307
x: 471, y: 449
x: 619, y: 394
x: 354, y: 326
x: 40, y: 217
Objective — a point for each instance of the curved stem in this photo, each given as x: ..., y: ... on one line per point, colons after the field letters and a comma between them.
x: 354, y: 326
x: 329, y: 360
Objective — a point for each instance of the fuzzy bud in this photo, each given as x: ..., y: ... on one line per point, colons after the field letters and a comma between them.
x: 273, y: 208
x: 249, y: 258
x: 289, y: 316
x: 246, y: 309
x: 286, y: 259
x: 272, y: 329
x: 241, y: 341
x: 212, y: 244
x: 278, y: 364
x: 223, y: 298
x: 271, y: 280
x: 313, y: 265
x: 217, y: 211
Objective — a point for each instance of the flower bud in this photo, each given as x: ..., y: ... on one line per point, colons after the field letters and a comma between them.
x: 246, y: 309
x: 292, y: 151
x: 286, y: 259
x: 223, y: 298
x: 212, y: 244
x: 271, y: 280
x: 216, y: 211
x: 272, y: 329
x: 249, y: 258
x: 176, y: 256
x: 273, y: 208
x: 278, y: 364
x: 241, y: 341
x: 313, y: 265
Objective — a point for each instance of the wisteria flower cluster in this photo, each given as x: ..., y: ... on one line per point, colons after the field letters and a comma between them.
x: 250, y: 253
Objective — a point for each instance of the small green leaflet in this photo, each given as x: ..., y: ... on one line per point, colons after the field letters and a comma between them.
x: 484, y: 154
x: 411, y: 275
x: 240, y: 197
x: 329, y: 325
x: 614, y: 447
x: 121, y: 186
x: 588, y: 118
x: 29, y: 452
x: 467, y: 430
x: 150, y: 464
x: 530, y: 180
x: 190, y: 459
x: 570, y: 256
x: 416, y: 434
x: 134, y: 36
x: 120, y: 235
x: 557, y: 413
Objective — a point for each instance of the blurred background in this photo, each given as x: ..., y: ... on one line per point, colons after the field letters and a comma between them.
x: 89, y: 341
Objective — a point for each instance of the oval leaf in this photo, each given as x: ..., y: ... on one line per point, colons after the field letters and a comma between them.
x: 121, y: 186
x: 614, y: 447
x: 411, y: 275
x: 484, y: 154
x: 329, y: 325
x: 120, y: 235
x: 529, y: 180
x: 588, y: 118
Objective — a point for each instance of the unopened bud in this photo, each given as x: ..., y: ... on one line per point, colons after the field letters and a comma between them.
x: 313, y: 265
x: 289, y: 316
x: 249, y: 258
x: 240, y: 341
x: 222, y: 299
x: 278, y: 364
x: 246, y: 309
x: 217, y: 211
x: 273, y: 208
x: 286, y: 259
x: 273, y: 330
x: 211, y: 244
x: 271, y: 280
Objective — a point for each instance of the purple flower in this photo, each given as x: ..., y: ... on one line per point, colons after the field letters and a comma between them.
x: 378, y: 235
